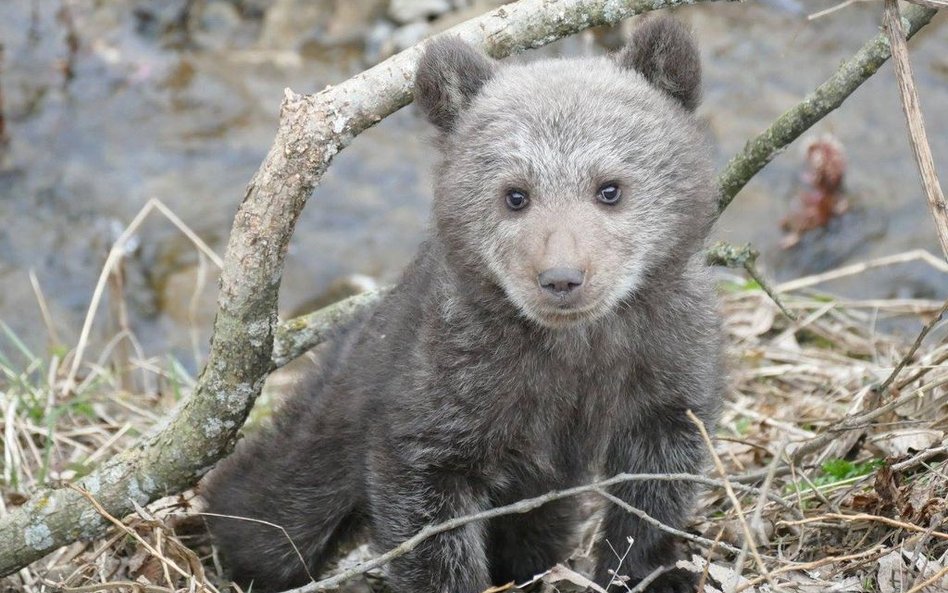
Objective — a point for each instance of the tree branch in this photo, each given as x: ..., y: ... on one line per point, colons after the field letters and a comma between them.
x: 814, y: 107
x: 313, y: 128
x: 299, y: 335
x: 527, y: 505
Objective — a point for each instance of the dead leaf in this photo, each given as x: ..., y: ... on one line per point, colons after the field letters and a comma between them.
x: 891, y: 574
x: 898, y: 443
x: 720, y: 573
x: 560, y: 574
x: 753, y: 322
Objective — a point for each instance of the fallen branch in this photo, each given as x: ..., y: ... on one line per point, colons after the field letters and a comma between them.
x: 892, y: 21
x: 312, y: 130
x: 524, y: 506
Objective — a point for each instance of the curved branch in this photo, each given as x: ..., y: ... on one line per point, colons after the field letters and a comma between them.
x: 313, y: 128
x: 299, y: 335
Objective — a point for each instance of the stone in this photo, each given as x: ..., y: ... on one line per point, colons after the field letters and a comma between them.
x: 409, y: 11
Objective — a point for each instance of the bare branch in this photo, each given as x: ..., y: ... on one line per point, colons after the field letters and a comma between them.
x: 892, y: 21
x: 525, y: 506
x: 312, y: 130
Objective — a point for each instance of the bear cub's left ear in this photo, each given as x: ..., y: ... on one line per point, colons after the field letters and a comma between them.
x: 449, y: 75
x: 665, y: 53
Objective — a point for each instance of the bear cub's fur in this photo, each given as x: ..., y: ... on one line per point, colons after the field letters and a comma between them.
x: 556, y: 326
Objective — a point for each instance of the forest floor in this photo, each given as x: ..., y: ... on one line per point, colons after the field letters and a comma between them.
x: 837, y: 419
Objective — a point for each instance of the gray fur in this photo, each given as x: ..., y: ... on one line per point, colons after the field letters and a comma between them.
x: 663, y: 51
x: 469, y: 386
x: 449, y: 75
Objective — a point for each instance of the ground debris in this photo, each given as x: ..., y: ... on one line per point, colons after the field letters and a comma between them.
x: 867, y: 515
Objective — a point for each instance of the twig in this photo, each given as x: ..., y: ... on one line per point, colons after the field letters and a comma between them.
x: 808, y: 566
x: 268, y: 524
x: 757, y: 517
x: 663, y: 527
x: 745, y: 256
x: 929, y: 581
x: 752, y: 271
x: 892, y: 22
x: 750, y: 540
x: 96, y: 587
x: 816, y: 105
x: 831, y: 9
x: 521, y: 506
x: 919, y: 458
x: 860, y: 267
x: 936, y: 4
x: 884, y: 386
x: 644, y: 583
x: 868, y: 517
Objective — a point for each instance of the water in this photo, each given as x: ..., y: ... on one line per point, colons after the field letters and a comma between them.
x: 153, y: 112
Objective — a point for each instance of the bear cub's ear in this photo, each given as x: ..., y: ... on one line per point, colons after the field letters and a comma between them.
x: 665, y: 53
x: 449, y: 74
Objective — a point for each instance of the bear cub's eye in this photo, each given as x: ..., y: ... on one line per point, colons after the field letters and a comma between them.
x: 609, y: 193
x: 517, y: 199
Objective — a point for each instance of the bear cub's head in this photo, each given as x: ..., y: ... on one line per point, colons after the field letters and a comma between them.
x: 570, y: 183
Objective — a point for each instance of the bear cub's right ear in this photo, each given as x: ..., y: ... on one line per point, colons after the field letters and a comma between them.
x: 449, y: 75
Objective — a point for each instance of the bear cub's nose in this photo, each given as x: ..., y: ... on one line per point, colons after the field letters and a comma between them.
x: 561, y: 281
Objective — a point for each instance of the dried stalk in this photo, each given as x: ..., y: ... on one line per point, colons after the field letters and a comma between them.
x: 892, y: 21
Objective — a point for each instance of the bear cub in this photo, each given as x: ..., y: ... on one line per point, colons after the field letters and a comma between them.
x: 555, y: 327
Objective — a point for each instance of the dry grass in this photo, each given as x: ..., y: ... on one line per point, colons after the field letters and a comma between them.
x: 863, y: 511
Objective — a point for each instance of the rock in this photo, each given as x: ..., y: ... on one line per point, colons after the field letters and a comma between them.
x: 218, y: 22
x: 378, y: 42
x: 408, y: 11
x: 409, y: 35
x: 291, y: 23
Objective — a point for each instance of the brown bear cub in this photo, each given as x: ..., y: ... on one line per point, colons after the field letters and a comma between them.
x: 556, y: 326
